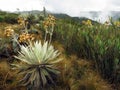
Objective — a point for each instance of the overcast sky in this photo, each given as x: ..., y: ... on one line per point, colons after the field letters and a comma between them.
x: 71, y: 7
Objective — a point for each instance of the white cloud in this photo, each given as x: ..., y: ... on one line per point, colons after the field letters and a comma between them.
x: 71, y: 7
x: 12, y: 5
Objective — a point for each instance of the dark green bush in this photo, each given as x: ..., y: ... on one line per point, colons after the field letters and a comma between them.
x: 1, y: 18
x: 11, y: 18
x: 8, y: 17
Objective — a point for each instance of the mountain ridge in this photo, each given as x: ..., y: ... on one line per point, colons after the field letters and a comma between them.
x: 94, y: 15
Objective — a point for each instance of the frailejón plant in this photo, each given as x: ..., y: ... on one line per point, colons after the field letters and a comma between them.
x: 38, y: 64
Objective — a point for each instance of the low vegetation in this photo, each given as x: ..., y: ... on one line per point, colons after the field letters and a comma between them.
x: 64, y: 54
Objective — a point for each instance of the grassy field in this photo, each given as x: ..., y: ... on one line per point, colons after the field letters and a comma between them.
x: 90, y: 53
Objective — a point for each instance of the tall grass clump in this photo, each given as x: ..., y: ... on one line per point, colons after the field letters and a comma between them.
x: 98, y: 42
x: 102, y: 46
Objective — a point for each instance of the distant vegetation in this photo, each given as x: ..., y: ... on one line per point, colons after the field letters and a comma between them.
x: 8, y: 17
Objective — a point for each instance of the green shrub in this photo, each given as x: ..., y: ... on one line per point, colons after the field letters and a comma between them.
x: 8, y: 17
x: 11, y: 18
x: 1, y: 18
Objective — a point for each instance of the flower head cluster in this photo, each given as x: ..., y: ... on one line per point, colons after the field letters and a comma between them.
x: 50, y: 20
x: 8, y: 31
x: 24, y: 37
x: 117, y: 23
x: 21, y: 20
x: 88, y: 23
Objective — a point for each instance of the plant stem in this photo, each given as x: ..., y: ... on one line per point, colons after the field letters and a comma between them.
x: 45, y: 35
x: 50, y: 38
x: 51, y: 33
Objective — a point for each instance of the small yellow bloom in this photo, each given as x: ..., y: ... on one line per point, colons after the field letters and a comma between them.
x: 21, y: 21
x: 8, y: 31
x: 88, y: 23
x: 26, y: 37
x: 117, y: 23
x: 50, y: 20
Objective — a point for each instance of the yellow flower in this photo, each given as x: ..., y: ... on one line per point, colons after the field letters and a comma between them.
x: 8, y: 31
x: 21, y: 21
x: 32, y: 37
x: 50, y: 20
x: 26, y: 37
x: 88, y: 23
x: 117, y: 23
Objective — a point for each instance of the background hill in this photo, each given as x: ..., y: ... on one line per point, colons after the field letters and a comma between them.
x: 94, y: 15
